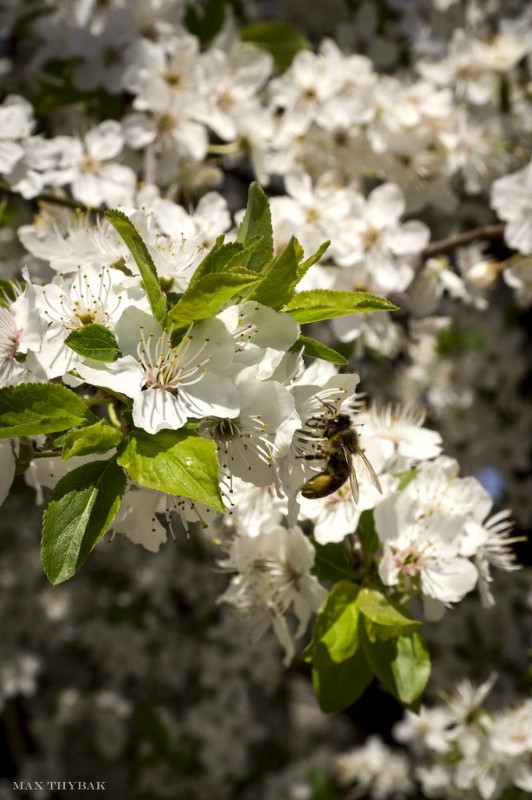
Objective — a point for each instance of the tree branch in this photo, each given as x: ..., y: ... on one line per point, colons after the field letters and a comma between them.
x: 5, y: 188
x: 494, y: 231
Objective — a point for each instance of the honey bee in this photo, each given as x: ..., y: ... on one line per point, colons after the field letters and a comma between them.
x: 339, y: 447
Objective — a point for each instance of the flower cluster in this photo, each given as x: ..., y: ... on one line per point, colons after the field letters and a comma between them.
x: 159, y: 377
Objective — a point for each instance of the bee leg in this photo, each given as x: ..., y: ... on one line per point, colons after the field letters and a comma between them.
x: 314, y: 457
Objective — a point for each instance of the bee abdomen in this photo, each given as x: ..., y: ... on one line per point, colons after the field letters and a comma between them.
x: 323, y: 484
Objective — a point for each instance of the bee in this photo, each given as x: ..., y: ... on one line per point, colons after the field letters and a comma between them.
x: 340, y: 449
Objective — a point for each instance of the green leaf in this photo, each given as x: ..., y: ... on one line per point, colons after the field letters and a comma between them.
x: 331, y: 563
x: 336, y: 626
x: 216, y: 260
x: 139, y: 251
x: 368, y: 536
x: 405, y: 478
x: 304, y: 266
x: 97, y: 438
x: 208, y: 24
x: 80, y: 512
x: 280, y: 39
x: 320, y: 304
x: 33, y: 408
x: 176, y: 462
x: 318, y: 350
x: 209, y: 295
x: 94, y: 341
x: 257, y: 222
x: 337, y: 686
x: 279, y: 278
x: 379, y: 609
x: 402, y: 663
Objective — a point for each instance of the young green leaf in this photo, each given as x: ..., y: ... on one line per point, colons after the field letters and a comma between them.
x: 401, y: 663
x: 257, y: 222
x: 405, y: 478
x: 331, y: 563
x: 217, y: 260
x: 94, y: 341
x: 318, y: 350
x: 139, y: 251
x: 304, y: 266
x: 280, y: 39
x: 175, y: 462
x: 338, y: 685
x: 80, y: 512
x: 319, y: 304
x: 209, y: 295
x: 33, y: 408
x: 379, y: 609
x: 279, y: 278
x: 336, y: 626
x: 97, y: 438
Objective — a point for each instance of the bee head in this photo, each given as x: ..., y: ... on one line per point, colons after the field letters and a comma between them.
x: 338, y: 423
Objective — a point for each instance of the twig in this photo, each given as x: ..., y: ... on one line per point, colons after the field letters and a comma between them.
x: 494, y: 231
x: 52, y: 198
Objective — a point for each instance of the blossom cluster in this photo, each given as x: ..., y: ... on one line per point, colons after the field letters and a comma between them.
x: 158, y: 379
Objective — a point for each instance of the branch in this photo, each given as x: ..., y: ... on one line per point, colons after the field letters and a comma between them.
x: 494, y: 231
x: 5, y: 188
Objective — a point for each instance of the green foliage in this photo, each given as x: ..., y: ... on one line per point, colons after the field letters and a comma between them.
x: 337, y: 623
x: 319, y: 304
x: 208, y: 24
x: 360, y: 632
x: 279, y: 277
x: 304, y: 266
x: 225, y: 258
x: 280, y: 39
x: 383, y: 612
x: 209, y: 295
x: 318, y: 350
x: 33, y: 408
x: 97, y: 438
x: 257, y: 221
x: 339, y: 685
x: 94, y: 341
x: 175, y: 462
x: 81, y: 510
x: 331, y: 563
x: 402, y: 663
x: 143, y: 260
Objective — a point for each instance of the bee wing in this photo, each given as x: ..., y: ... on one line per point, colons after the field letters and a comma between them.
x: 368, y: 470
x: 353, y: 480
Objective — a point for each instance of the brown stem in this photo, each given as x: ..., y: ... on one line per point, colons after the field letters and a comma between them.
x: 5, y: 188
x: 494, y: 231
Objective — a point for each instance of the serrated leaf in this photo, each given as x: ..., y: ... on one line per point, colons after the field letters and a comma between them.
x: 80, y: 512
x: 217, y: 260
x: 401, y: 663
x: 280, y: 39
x: 34, y: 408
x: 279, y: 278
x: 209, y: 295
x: 304, y: 266
x: 94, y: 341
x: 316, y: 349
x: 336, y: 625
x: 176, y: 462
x: 338, y: 685
x: 379, y: 609
x: 97, y: 438
x: 132, y: 238
x: 319, y: 304
x: 257, y: 222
